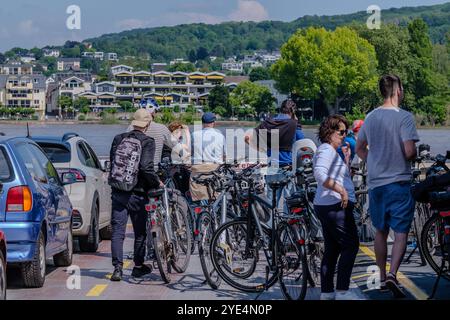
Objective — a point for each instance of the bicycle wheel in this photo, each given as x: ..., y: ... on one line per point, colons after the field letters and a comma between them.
x: 235, y: 257
x: 293, y: 278
x: 206, y: 233
x: 162, y: 249
x: 314, y: 259
x: 363, y: 221
x: 431, y: 239
x: 182, y: 239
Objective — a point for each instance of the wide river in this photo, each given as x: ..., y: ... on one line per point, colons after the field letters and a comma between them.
x: 101, y: 136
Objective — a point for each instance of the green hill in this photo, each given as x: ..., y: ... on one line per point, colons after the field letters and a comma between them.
x: 237, y: 38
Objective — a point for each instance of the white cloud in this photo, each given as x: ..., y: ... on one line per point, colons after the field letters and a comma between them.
x: 249, y: 10
x: 27, y: 28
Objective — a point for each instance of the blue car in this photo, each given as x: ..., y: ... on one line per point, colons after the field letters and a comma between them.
x: 35, y: 210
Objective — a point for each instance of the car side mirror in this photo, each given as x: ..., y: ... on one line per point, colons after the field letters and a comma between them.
x: 107, y: 166
x: 68, y: 178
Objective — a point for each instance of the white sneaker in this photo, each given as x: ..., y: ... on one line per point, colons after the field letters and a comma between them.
x: 347, y: 295
x: 327, y: 296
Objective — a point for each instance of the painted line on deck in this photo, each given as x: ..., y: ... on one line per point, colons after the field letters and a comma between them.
x: 359, y: 276
x: 97, y: 290
x: 404, y: 280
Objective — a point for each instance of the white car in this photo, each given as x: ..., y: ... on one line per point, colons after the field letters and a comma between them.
x: 90, y: 195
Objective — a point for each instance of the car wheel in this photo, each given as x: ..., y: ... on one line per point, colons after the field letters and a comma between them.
x: 33, y: 272
x: 2, y: 276
x: 90, y: 242
x: 106, y: 233
x: 64, y: 259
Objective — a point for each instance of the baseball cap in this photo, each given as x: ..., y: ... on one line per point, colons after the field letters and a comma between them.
x: 209, y: 117
x: 357, y: 124
x: 142, y: 118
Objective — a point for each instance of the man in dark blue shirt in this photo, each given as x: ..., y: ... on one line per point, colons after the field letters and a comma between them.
x: 289, y: 132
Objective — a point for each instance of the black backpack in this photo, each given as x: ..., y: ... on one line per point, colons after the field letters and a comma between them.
x: 125, y: 164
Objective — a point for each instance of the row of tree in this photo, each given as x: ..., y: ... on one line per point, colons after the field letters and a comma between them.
x: 339, y: 70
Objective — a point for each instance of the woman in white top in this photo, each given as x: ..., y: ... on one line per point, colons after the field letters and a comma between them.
x: 333, y: 205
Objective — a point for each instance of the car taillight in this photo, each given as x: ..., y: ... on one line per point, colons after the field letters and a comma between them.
x: 79, y: 175
x: 19, y: 199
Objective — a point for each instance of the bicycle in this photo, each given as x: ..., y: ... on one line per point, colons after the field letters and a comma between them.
x: 168, y: 234
x: 236, y: 247
x: 218, y: 209
x: 435, y: 235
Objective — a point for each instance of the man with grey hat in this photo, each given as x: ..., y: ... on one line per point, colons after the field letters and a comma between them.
x: 132, y: 176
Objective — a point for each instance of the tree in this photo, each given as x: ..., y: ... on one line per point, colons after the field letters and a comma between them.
x: 331, y: 66
x: 126, y: 105
x: 182, y: 67
x: 422, y: 59
x: 219, y: 97
x: 202, y: 53
x: 64, y: 103
x: 259, y: 73
x: 251, y: 96
x: 81, y: 103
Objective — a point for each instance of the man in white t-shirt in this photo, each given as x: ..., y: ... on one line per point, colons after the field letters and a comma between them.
x: 208, y: 153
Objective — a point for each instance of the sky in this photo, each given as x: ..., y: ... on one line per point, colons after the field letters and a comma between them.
x: 29, y: 23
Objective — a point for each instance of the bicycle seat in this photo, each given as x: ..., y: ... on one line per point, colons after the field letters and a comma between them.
x: 277, y: 181
x: 155, y: 193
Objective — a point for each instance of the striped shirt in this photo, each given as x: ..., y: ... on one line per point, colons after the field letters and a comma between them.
x: 162, y: 137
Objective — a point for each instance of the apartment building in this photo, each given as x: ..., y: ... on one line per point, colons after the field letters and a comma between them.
x: 20, y: 87
x: 232, y: 65
x: 71, y: 84
x: 52, y: 53
x: 67, y: 64
x: 168, y: 88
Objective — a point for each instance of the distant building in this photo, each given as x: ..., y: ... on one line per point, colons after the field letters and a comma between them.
x: 112, y: 56
x: 67, y: 64
x: 99, y: 55
x: 21, y: 87
x: 178, y: 61
x: 167, y: 88
x: 88, y: 54
x: 70, y: 84
x: 27, y: 58
x: 156, y: 67
x: 52, y: 53
x: 120, y: 69
x: 233, y: 81
x: 233, y: 65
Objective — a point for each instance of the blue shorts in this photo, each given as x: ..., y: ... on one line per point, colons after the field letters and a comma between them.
x: 392, y: 206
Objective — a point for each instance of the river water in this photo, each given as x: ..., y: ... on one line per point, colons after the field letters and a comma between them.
x: 100, y: 136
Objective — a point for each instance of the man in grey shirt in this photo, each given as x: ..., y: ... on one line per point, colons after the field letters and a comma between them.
x: 162, y: 137
x: 387, y: 141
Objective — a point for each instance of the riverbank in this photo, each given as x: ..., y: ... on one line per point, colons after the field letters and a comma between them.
x: 233, y: 124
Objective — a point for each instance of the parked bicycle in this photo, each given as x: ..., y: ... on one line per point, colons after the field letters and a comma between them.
x: 169, y: 234
x: 238, y: 245
x: 434, y: 192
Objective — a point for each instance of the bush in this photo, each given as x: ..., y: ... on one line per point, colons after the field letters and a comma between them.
x: 82, y: 117
x: 108, y: 118
x: 35, y: 117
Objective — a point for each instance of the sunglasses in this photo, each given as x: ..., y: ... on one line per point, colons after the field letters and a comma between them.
x: 342, y: 132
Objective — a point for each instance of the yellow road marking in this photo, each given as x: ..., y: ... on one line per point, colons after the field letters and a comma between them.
x: 97, y: 290
x: 365, y: 275
x: 405, y: 281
